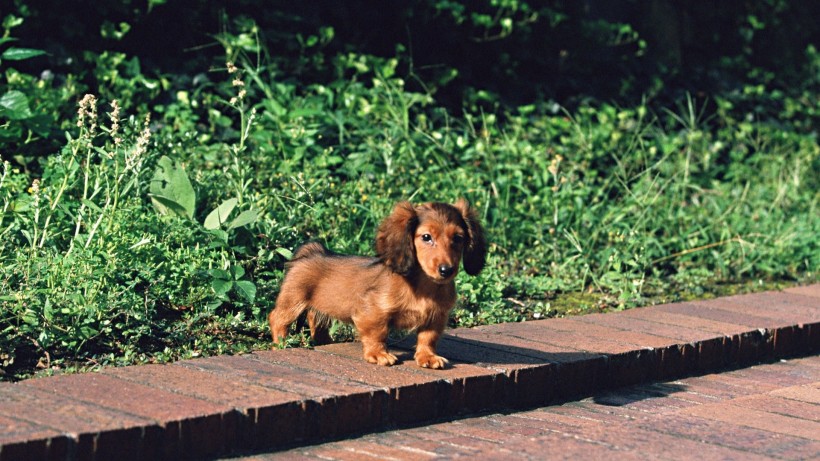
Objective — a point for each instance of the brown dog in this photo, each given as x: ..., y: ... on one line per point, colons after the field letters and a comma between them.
x: 410, y: 285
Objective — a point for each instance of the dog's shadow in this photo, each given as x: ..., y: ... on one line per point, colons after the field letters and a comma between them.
x: 460, y: 349
x: 592, y: 373
x: 628, y: 396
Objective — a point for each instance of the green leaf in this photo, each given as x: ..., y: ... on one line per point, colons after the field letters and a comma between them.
x: 14, y: 106
x: 221, y: 238
x: 238, y: 272
x: 244, y: 218
x: 220, y: 274
x: 92, y: 205
x: 166, y: 205
x: 218, y: 217
x: 246, y: 289
x: 19, y: 54
x: 87, y: 332
x: 48, y: 312
x: 221, y: 287
x: 287, y: 254
x: 171, y: 190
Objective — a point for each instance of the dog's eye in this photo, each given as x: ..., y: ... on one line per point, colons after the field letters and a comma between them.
x: 458, y: 239
x: 427, y: 238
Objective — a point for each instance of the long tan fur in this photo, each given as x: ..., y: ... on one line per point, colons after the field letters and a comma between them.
x: 408, y: 285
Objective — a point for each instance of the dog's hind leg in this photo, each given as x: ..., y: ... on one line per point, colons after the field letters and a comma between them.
x: 318, y: 327
x: 286, y: 312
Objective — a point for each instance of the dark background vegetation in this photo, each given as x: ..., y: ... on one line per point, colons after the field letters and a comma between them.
x: 561, y: 51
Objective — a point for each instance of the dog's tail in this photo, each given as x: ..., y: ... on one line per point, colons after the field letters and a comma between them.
x: 308, y: 250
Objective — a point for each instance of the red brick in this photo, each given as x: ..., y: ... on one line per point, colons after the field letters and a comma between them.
x: 779, y: 374
x: 798, y: 370
x: 575, y: 448
x: 413, y: 397
x: 522, y: 436
x: 788, y: 302
x: 562, y: 418
x: 733, y: 436
x: 780, y: 406
x: 676, y: 348
x: 506, y: 365
x: 648, y: 399
x: 625, y: 363
x: 414, y: 446
x: 469, y: 388
x: 290, y: 455
x: 738, y: 385
x: 806, y: 290
x: 742, y: 344
x: 472, y: 438
x: 562, y: 336
x: 644, y: 422
x: 538, y: 372
x: 810, y: 366
x: 787, y: 308
x: 270, y: 417
x: 95, y: 429
x: 369, y: 448
x: 809, y: 393
x: 706, y: 310
x: 701, y: 389
x: 789, y: 335
x: 334, y: 452
x: 730, y: 413
x: 333, y: 405
x: 629, y: 337
x: 425, y: 439
x: 623, y: 321
x: 625, y: 440
x: 191, y: 426
x: 580, y: 413
x: 790, y: 318
x: 696, y: 350
x: 24, y: 440
x: 248, y: 369
x: 680, y: 315
x: 631, y: 437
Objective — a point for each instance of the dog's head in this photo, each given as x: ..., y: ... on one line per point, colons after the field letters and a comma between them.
x: 433, y: 237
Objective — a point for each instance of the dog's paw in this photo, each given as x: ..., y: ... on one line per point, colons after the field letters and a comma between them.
x: 431, y: 361
x: 381, y: 358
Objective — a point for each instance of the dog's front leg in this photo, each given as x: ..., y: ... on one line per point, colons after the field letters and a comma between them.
x: 426, y: 356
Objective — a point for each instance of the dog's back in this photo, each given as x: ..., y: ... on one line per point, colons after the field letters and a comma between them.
x: 327, y: 281
x: 308, y: 250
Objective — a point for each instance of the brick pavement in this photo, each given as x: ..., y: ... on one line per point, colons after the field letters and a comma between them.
x: 275, y: 400
x: 765, y: 412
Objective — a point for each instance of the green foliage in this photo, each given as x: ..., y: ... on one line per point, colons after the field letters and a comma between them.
x: 129, y: 238
x: 171, y: 191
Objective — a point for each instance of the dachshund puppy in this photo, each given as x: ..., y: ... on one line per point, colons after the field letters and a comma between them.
x: 409, y: 285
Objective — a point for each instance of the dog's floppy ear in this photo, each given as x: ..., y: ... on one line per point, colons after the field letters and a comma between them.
x: 394, y: 240
x: 475, y: 248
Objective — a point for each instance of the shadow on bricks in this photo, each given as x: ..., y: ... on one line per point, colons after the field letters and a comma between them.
x: 536, y: 374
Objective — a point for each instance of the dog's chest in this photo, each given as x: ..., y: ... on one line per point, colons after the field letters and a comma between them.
x: 418, y: 309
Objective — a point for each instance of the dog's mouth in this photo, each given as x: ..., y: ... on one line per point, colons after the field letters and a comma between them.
x: 440, y: 279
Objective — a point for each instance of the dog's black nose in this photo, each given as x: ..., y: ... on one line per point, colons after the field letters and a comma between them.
x: 445, y: 271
